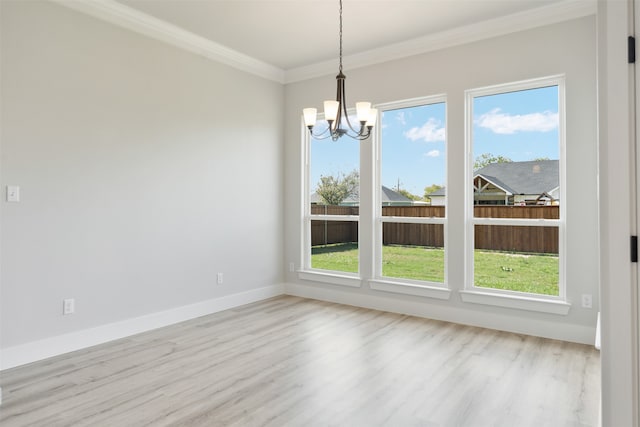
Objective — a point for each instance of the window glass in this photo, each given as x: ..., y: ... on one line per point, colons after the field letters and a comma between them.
x: 412, y: 192
x: 334, y: 245
x: 516, y: 178
x: 413, y: 251
x: 334, y: 191
x: 334, y: 176
x: 516, y: 148
x: 413, y: 162
x: 513, y: 258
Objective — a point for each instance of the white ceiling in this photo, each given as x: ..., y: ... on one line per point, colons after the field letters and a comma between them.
x: 295, y: 33
x: 290, y: 40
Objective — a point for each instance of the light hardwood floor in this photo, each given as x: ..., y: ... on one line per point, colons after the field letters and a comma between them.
x: 290, y: 361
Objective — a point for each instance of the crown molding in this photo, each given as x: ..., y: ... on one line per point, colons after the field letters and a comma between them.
x: 546, y: 15
x: 132, y: 19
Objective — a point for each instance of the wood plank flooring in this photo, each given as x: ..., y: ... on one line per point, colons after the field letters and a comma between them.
x: 289, y: 361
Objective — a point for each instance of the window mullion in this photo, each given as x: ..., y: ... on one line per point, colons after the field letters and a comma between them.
x: 334, y: 217
x: 413, y: 220
x: 517, y: 222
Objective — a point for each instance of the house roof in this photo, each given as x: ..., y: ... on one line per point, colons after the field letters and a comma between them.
x: 531, y: 177
x: 439, y: 192
x: 387, y: 195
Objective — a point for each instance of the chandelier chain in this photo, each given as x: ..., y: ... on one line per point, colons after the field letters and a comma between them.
x: 340, y: 36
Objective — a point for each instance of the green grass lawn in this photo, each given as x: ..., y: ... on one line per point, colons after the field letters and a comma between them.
x: 533, y: 273
x: 338, y: 257
x: 413, y: 262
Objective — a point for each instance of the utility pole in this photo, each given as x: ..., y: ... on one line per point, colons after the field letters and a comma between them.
x: 398, y: 186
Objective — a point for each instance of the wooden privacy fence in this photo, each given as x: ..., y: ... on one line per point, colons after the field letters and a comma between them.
x: 494, y: 237
x: 329, y: 232
x: 517, y: 238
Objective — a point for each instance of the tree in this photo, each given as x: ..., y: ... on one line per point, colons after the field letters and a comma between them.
x: 334, y: 189
x: 408, y: 195
x: 487, y: 158
x: 431, y: 189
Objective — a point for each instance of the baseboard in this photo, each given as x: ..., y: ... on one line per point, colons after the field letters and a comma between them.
x: 498, y: 321
x: 54, y: 346
x: 42, y: 349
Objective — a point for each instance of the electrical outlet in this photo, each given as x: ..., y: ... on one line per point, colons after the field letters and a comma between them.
x: 587, y: 301
x: 292, y: 267
x: 220, y: 278
x: 68, y: 306
x: 13, y: 193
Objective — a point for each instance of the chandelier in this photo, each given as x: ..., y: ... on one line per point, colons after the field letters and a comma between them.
x: 335, y: 112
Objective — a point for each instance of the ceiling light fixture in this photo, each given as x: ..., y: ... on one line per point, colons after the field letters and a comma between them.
x: 334, y: 111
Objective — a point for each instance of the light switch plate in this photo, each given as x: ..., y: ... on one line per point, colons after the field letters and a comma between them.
x: 68, y: 306
x: 13, y: 193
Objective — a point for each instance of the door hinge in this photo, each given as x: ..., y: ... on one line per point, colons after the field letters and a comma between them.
x: 634, y: 248
x: 631, y: 49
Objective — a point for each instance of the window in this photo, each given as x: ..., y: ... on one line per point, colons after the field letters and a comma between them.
x: 332, y: 207
x: 515, y: 191
x: 513, y: 186
x: 411, y: 198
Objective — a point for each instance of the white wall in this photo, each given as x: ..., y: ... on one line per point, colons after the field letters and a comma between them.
x: 143, y: 170
x: 567, y: 48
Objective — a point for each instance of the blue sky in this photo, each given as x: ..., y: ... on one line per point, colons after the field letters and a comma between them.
x: 519, y: 125
x: 413, y: 147
x: 332, y: 157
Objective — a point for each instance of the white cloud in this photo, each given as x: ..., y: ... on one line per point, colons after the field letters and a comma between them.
x: 432, y: 153
x: 400, y: 117
x: 431, y: 131
x: 503, y: 123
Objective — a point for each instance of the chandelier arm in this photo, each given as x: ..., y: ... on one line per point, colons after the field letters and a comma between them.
x: 363, y: 134
x: 321, y: 138
x: 350, y: 126
x: 322, y: 135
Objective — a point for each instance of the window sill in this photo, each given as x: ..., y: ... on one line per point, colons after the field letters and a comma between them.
x: 436, y: 292
x: 331, y: 278
x: 517, y: 302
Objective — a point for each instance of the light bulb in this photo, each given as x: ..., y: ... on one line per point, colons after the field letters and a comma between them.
x: 362, y: 111
x: 373, y: 117
x: 309, y: 116
x: 330, y: 110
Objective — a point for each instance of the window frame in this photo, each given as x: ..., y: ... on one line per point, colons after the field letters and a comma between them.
x: 437, y: 290
x: 335, y: 277
x: 528, y: 301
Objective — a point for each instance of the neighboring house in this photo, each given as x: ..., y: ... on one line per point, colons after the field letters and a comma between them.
x: 388, y: 196
x: 534, y: 182
x: 437, y: 197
